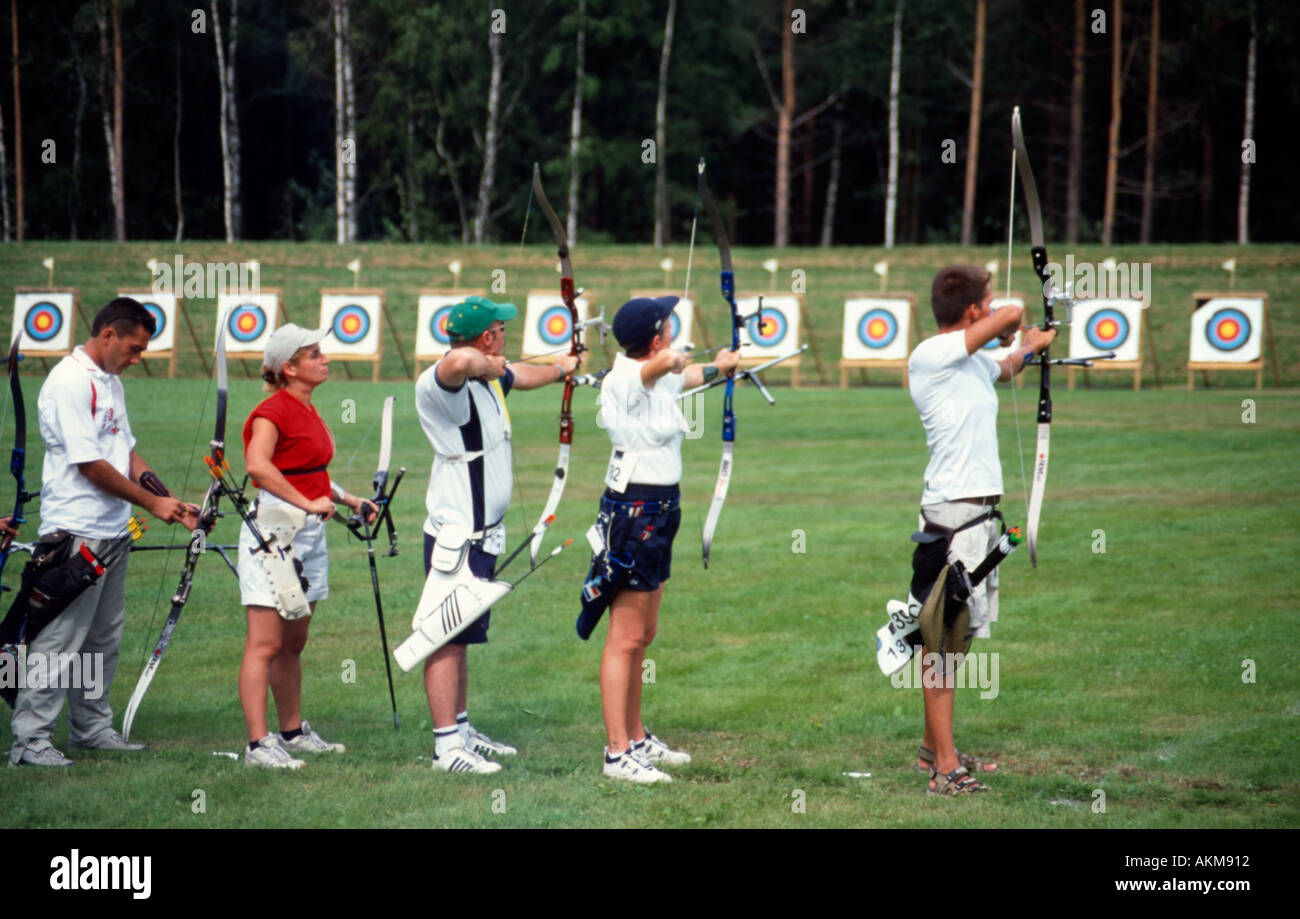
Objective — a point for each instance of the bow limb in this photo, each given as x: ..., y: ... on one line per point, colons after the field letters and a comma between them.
x: 727, y: 281
x: 576, y: 348
x: 1038, y: 252
x: 18, y: 456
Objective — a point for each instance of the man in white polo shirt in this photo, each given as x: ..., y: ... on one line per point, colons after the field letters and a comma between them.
x: 91, y: 477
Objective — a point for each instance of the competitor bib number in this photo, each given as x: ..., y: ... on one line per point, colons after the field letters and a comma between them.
x: 619, y: 474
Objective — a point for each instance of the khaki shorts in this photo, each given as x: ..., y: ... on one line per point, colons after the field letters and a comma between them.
x: 970, y: 546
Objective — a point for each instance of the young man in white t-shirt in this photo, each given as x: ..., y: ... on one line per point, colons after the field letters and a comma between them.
x: 951, y: 382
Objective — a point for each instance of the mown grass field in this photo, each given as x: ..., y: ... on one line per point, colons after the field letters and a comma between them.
x: 1119, y: 670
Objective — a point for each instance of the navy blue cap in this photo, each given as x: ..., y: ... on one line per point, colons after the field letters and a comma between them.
x: 640, y: 319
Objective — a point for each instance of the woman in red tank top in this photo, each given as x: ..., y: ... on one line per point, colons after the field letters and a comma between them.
x: 287, y: 448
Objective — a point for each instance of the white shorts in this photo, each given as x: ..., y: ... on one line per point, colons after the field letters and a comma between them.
x: 308, y: 545
x: 970, y: 546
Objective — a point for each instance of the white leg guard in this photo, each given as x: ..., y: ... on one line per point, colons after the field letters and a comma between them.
x: 452, y: 599
x: 279, y: 524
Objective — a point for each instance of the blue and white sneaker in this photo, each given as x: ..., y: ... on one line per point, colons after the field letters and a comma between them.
x: 656, y: 751
x: 484, y: 745
x: 632, y: 767
x: 459, y: 758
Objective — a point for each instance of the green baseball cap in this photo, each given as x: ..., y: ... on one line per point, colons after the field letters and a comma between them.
x: 472, y: 316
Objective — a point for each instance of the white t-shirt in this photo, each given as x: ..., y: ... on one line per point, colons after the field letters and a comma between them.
x: 953, y: 391
x: 647, y: 425
x: 469, y: 430
x: 82, y: 410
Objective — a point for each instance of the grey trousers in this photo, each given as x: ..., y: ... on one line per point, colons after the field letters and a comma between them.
x: 89, y: 630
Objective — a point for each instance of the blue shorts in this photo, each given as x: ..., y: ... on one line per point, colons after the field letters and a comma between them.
x: 644, y: 541
x: 480, y: 565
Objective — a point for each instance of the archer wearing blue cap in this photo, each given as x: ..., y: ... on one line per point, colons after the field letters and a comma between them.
x: 639, y: 516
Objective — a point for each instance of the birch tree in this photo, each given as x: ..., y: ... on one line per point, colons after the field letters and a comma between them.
x: 345, y: 144
x: 1248, y: 142
x: 232, y: 199
x: 661, y: 132
x: 111, y: 113
x: 1074, y: 166
x: 18, y: 126
x: 575, y: 127
x: 488, y: 176
x: 891, y: 187
x: 4, y: 178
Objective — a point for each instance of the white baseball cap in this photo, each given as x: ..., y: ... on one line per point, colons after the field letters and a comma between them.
x: 285, y: 342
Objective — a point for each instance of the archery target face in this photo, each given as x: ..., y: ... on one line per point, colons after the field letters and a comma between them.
x: 1227, y: 330
x: 354, y: 322
x: 993, y: 349
x: 46, y: 319
x: 163, y: 309
x: 682, y: 319
x: 249, y: 320
x: 431, y: 339
x: 548, y: 324
x: 778, y: 331
x: 876, y: 328
x: 1101, y: 326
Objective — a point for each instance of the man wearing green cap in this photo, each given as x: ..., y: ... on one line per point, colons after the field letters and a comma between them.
x: 462, y: 408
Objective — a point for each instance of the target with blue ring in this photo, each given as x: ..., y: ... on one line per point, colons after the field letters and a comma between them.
x: 769, y: 330
x: 159, y: 318
x: 1107, y: 329
x: 675, y: 325
x: 43, y: 321
x: 555, y: 325
x: 877, y: 328
x: 350, y: 324
x: 246, y: 323
x: 438, y: 324
x: 1228, y: 329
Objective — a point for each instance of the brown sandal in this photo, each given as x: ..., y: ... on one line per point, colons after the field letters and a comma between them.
x: 951, y: 784
x: 967, y: 761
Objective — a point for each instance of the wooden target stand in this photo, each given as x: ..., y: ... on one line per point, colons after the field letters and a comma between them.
x: 170, y: 354
x: 376, y: 359
x: 1144, y: 331
x: 1200, y: 298
x: 805, y: 327
x: 862, y: 365
x: 72, y: 324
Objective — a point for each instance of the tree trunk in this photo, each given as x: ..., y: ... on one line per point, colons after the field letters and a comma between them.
x: 18, y: 126
x: 891, y: 186
x: 452, y: 177
x: 106, y: 110
x: 4, y: 183
x: 833, y: 182
x: 973, y: 131
x: 661, y: 133
x: 74, y: 205
x: 1112, y: 145
x: 575, y: 127
x: 344, y: 129
x: 119, y: 89
x: 489, y: 140
x: 1074, y: 168
x: 1248, y: 133
x: 350, y: 125
x: 785, y: 114
x: 1153, y: 101
x: 230, y: 167
x: 808, y: 142
x: 176, y: 153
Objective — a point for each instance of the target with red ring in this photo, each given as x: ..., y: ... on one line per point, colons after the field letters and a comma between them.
x: 350, y: 324
x: 1228, y: 329
x: 43, y: 321
x: 877, y: 328
x: 438, y: 324
x: 159, y: 318
x: 1107, y: 329
x: 247, y: 322
x: 768, y: 331
x: 555, y: 325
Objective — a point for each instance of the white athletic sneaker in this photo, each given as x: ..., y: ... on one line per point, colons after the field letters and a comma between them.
x: 484, y: 745
x: 632, y: 768
x: 311, y: 742
x: 459, y: 758
x: 271, y: 754
x: 656, y: 751
x: 109, y: 741
x: 45, y: 756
